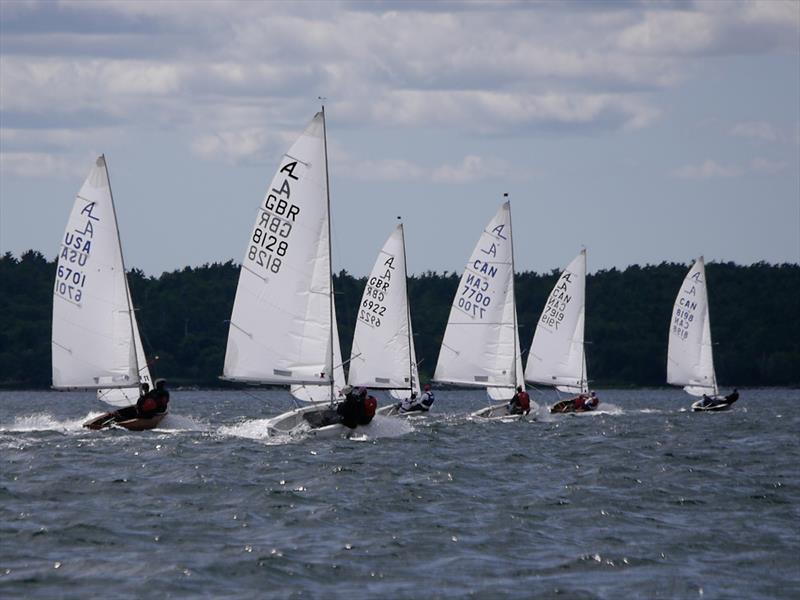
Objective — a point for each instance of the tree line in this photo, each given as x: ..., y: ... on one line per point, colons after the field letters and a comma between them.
x: 183, y: 317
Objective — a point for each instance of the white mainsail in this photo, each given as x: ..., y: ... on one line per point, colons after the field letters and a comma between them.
x: 323, y: 393
x: 481, y: 342
x: 281, y: 324
x: 129, y: 395
x: 557, y: 356
x: 93, y: 343
x: 690, y: 360
x: 383, y: 355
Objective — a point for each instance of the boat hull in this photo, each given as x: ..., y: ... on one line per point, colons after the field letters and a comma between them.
x: 496, y: 412
x: 568, y: 406
x: 110, y: 419
x: 713, y: 407
x: 296, y: 421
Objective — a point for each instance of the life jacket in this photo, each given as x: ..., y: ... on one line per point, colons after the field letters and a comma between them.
x: 161, y: 400
x: 524, y: 401
x: 149, y: 405
x: 427, y: 399
x: 370, y: 404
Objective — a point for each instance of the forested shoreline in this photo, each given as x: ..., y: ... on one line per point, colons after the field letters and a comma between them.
x: 755, y: 320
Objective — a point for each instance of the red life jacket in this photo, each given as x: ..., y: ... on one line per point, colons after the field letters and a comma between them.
x: 149, y: 405
x: 370, y: 404
x: 524, y: 401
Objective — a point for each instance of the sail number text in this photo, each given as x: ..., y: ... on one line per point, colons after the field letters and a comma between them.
x: 556, y: 307
x: 372, y: 305
x: 75, y: 251
x: 269, y: 243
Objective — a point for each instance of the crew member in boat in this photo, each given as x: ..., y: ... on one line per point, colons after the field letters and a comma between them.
x: 161, y: 396
x: 357, y: 408
x: 423, y: 404
x: 591, y: 402
x: 520, y: 404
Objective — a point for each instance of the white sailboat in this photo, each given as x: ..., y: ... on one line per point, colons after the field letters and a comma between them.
x: 557, y: 356
x: 690, y: 358
x: 282, y: 324
x: 383, y: 354
x: 480, y: 347
x: 95, y: 338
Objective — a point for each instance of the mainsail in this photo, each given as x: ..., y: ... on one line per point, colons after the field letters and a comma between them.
x: 481, y: 343
x: 383, y: 349
x: 93, y: 341
x: 324, y: 393
x: 281, y: 326
x: 129, y: 395
x: 557, y: 355
x: 690, y: 360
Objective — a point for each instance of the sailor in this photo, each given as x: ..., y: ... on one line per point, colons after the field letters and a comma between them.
x: 406, y: 404
x: 592, y: 401
x: 350, y: 409
x: 427, y: 397
x: 368, y: 404
x: 161, y: 396
x: 732, y: 397
x: 423, y: 404
x: 520, y: 404
x: 146, y: 405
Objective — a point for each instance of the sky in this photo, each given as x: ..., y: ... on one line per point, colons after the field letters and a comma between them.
x: 644, y: 131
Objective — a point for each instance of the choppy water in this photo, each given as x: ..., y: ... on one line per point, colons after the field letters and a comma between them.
x: 644, y: 500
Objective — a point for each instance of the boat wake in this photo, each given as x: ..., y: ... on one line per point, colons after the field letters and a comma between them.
x: 47, y: 422
x: 258, y: 429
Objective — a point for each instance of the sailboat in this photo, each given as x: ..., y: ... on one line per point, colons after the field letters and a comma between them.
x: 557, y: 356
x: 690, y: 359
x: 383, y: 353
x: 282, y: 327
x: 480, y: 347
x: 95, y: 338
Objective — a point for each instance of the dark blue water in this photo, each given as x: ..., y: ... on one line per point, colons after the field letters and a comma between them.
x: 645, y: 500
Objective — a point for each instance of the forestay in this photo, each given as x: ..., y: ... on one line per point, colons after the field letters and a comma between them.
x: 382, y: 351
x: 281, y: 325
x: 557, y: 356
x: 690, y: 361
x: 92, y: 342
x: 480, y: 345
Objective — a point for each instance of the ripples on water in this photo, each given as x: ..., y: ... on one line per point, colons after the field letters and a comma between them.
x: 644, y: 500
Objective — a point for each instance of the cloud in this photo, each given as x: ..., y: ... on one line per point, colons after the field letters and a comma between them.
x: 470, y: 169
x: 756, y: 130
x: 710, y: 169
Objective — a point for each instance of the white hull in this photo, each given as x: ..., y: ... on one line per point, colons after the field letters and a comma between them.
x: 496, y: 412
x: 699, y: 407
x: 293, y: 423
x: 393, y: 411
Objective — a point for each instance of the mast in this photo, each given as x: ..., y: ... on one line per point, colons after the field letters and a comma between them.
x: 330, y: 254
x: 124, y: 275
x: 408, y: 311
x: 584, y: 368
x: 513, y: 293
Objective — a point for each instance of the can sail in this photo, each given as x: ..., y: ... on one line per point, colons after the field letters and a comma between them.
x: 557, y: 356
x: 690, y: 360
x: 481, y: 343
x: 93, y: 342
x: 281, y: 325
x: 382, y: 350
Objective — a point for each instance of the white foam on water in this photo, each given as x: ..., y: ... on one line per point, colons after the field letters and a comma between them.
x: 47, y: 422
x: 258, y: 429
x: 173, y: 422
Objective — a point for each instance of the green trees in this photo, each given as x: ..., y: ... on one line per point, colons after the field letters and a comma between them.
x: 183, y: 319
